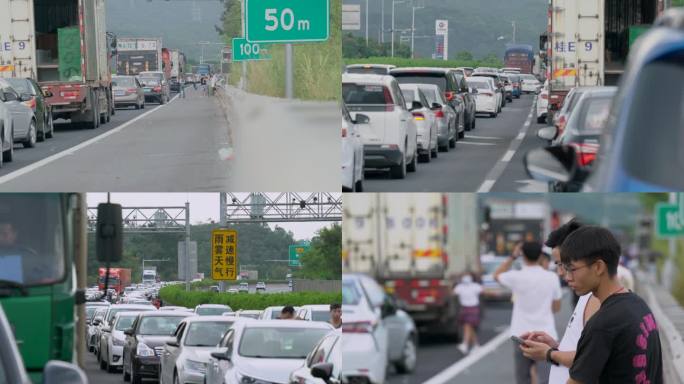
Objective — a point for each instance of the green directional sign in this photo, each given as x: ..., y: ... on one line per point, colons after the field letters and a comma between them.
x: 668, y: 222
x: 287, y: 21
x: 296, y: 251
x: 243, y: 50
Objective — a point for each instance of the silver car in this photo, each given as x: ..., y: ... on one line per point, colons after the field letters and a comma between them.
x: 128, y: 91
x: 155, y: 86
x: 22, y: 121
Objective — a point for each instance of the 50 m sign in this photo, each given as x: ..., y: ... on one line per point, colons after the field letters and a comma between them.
x: 287, y: 21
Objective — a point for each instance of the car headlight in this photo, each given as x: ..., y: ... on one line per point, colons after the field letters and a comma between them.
x: 197, y: 366
x: 117, y: 342
x: 244, y: 379
x: 144, y: 350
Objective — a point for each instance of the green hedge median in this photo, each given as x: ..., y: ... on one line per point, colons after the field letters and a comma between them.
x: 176, y: 295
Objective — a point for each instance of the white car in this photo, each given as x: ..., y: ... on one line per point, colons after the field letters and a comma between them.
x: 243, y: 287
x: 378, y: 69
x: 314, y: 312
x: 248, y: 313
x: 530, y: 84
x: 273, y: 313
x: 327, y: 352
x: 543, y: 103
x: 352, y: 150
x: 486, y: 98
x: 93, y: 326
x: 260, y: 286
x: 186, y: 355
x: 108, y: 317
x: 112, y: 341
x: 264, y: 351
x: 212, y: 309
x: 426, y: 122
x: 390, y: 142
x: 233, y: 290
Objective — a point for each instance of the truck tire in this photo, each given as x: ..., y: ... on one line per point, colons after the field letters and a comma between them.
x: 103, y: 116
x: 94, y: 115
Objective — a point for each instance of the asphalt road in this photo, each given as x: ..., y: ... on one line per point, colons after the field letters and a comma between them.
x: 98, y: 376
x: 488, y: 159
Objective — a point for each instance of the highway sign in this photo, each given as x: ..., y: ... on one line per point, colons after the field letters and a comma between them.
x: 296, y: 251
x: 667, y: 220
x: 224, y: 254
x: 244, y: 50
x: 287, y: 21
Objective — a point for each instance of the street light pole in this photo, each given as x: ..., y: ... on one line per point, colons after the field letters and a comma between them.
x: 413, y: 27
x: 393, y: 3
x: 366, y: 23
x: 382, y: 21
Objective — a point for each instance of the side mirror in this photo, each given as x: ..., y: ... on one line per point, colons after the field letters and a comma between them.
x: 60, y: 372
x: 322, y: 371
x: 555, y: 163
x: 128, y: 331
x: 547, y: 133
x: 109, y: 233
x: 97, y: 322
x: 26, y: 97
x: 416, y: 105
x: 172, y: 343
x: 362, y: 119
x: 220, y: 356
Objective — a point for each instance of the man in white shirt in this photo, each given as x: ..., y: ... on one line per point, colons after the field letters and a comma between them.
x: 537, y: 296
x: 541, y: 346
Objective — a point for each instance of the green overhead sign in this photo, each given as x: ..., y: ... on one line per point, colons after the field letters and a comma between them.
x: 296, y: 251
x: 668, y: 221
x: 287, y: 21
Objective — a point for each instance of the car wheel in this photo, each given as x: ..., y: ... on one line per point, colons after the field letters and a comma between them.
x: 8, y: 155
x: 407, y: 364
x: 137, y: 106
x: 461, y: 134
x: 493, y: 114
x: 110, y: 368
x: 411, y: 167
x: 135, y: 378
x: 31, y: 135
x: 541, y: 119
x: 452, y: 141
x: 399, y: 171
x: 143, y: 105
x: 435, y: 151
x: 51, y: 126
x: 103, y: 364
x: 161, y: 100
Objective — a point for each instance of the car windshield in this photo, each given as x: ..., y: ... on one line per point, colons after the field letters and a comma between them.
x: 90, y: 311
x: 350, y: 295
x: 205, y: 333
x: 320, y: 316
x: 360, y: 94
x: 409, y: 94
x: 275, y: 313
x: 478, y: 84
x: 149, y: 80
x: 279, y: 343
x: 204, y: 311
x: 369, y: 70
x: 250, y: 315
x: 32, y: 233
x: 594, y: 114
x: 432, y: 95
x: 124, y: 322
x: 159, y: 325
x: 528, y: 77
x: 123, y: 82
x: 412, y: 78
x: 21, y: 86
x: 114, y: 311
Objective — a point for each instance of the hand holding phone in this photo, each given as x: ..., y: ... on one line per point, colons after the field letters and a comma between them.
x: 518, y: 340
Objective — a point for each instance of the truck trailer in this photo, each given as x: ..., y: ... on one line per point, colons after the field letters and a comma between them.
x: 138, y: 54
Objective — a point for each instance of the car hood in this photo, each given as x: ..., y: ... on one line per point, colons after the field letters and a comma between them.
x: 201, y: 354
x: 278, y: 370
x: 351, y: 314
x: 153, y: 341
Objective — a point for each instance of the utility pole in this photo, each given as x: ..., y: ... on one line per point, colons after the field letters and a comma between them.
x: 513, y: 22
x: 393, y: 3
x: 187, y: 246
x: 222, y: 221
x: 382, y: 21
x: 366, y: 23
x: 413, y: 26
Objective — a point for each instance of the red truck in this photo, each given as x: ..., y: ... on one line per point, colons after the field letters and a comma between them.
x: 65, y: 47
x: 119, y: 278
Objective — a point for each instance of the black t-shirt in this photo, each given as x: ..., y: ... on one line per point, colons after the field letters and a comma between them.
x: 619, y: 344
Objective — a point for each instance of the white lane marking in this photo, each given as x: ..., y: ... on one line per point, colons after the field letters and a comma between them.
x: 474, y: 143
x: 483, y: 137
x: 486, y: 186
x: 70, y: 151
x: 520, y: 136
x: 449, y: 373
x: 508, y: 156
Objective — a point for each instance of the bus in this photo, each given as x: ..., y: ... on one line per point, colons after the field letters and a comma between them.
x: 519, y: 56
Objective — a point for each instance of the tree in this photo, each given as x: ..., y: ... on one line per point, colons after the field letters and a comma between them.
x: 464, y: 55
x: 323, y: 260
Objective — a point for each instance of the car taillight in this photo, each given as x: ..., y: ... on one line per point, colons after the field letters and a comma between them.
x: 132, y: 90
x: 439, y: 113
x: 358, y: 327
x: 344, y: 132
x: 389, y: 103
x: 69, y: 94
x: 418, y: 116
x: 586, y: 153
x: 157, y: 89
x: 31, y: 103
x: 449, y: 95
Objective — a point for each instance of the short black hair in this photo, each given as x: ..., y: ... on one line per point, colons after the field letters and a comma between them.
x: 532, y: 250
x: 335, y: 306
x: 557, y: 237
x: 590, y: 243
x: 288, y: 309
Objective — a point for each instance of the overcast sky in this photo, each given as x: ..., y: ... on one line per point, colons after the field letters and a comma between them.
x: 204, y: 207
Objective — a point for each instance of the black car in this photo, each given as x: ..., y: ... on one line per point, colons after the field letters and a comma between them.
x: 448, y: 81
x: 145, y: 343
x: 39, y: 104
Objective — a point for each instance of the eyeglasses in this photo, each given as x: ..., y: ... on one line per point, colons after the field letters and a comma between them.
x: 568, y: 269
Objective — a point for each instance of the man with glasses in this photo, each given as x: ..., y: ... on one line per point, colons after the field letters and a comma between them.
x: 537, y: 296
x: 539, y: 345
x: 620, y: 343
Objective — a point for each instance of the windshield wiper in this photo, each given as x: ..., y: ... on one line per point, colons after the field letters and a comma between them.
x: 12, y: 285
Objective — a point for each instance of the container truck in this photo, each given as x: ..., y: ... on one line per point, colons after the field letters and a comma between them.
x: 64, y: 46
x: 137, y: 54
x: 588, y: 41
x: 119, y: 278
x: 149, y: 275
x: 416, y: 246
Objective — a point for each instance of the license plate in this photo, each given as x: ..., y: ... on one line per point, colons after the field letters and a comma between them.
x: 119, y: 93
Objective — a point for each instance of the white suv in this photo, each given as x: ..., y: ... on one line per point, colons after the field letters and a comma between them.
x: 390, y: 142
x: 543, y: 103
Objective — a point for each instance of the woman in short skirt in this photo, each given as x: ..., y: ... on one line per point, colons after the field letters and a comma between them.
x: 468, y: 292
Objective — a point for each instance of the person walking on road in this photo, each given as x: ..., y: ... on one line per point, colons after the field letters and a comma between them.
x: 540, y: 346
x: 621, y: 342
x: 468, y: 292
x: 537, y: 296
x: 181, y: 83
